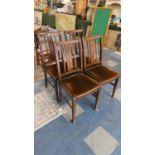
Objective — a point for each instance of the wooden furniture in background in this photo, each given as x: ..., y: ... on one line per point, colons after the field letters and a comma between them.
x: 111, y: 40
x: 81, y: 6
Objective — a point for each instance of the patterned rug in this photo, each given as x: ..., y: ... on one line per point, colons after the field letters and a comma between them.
x: 46, y: 108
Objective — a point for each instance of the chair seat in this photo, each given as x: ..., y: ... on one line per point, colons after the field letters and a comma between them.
x: 52, y: 70
x: 79, y: 85
x: 102, y: 74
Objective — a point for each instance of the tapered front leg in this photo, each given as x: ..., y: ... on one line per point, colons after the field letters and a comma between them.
x: 73, y: 110
x: 45, y: 75
x: 59, y: 90
x: 116, y: 81
x: 97, y: 98
x: 56, y: 87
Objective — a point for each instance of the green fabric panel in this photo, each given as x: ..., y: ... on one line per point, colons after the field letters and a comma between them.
x: 48, y: 20
x: 82, y: 24
x: 101, y: 21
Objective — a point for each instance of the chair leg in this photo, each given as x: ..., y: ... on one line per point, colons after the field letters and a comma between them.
x: 59, y: 91
x: 116, y: 81
x: 56, y: 89
x: 37, y: 57
x: 73, y: 110
x: 97, y: 99
x: 45, y: 75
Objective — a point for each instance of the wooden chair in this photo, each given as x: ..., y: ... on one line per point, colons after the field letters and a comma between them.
x: 73, y: 34
x: 46, y: 43
x: 71, y: 76
x: 36, y: 45
x: 93, y: 63
x: 47, y: 40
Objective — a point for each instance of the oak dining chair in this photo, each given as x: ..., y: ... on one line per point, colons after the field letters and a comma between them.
x: 48, y: 52
x: 36, y: 45
x: 48, y: 60
x: 73, y: 34
x: 71, y: 76
x: 93, y: 63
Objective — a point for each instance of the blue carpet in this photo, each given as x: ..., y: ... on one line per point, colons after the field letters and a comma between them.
x: 61, y: 137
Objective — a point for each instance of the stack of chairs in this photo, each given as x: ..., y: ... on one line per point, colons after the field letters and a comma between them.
x: 75, y: 64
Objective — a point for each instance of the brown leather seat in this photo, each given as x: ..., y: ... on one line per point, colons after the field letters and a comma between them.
x: 79, y: 85
x: 102, y: 74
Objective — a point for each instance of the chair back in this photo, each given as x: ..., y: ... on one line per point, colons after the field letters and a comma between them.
x: 73, y: 34
x: 46, y: 43
x: 92, y: 51
x: 69, y: 59
x: 36, y: 41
